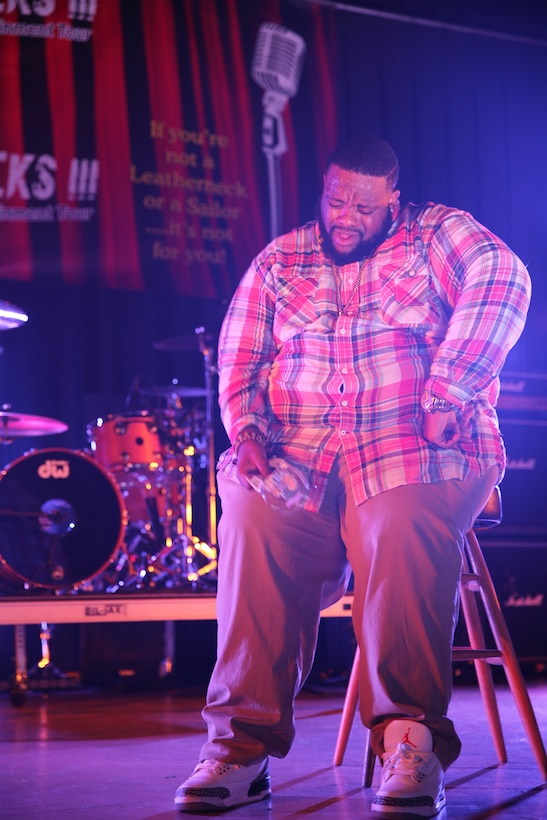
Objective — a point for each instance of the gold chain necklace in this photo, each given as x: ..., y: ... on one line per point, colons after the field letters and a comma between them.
x: 342, y: 308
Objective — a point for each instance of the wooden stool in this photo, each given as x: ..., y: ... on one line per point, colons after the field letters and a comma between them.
x: 475, y: 579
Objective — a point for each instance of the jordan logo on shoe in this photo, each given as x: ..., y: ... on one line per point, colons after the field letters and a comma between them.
x: 406, y: 738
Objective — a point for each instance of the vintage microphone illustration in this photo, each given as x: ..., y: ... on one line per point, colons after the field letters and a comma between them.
x: 277, y: 66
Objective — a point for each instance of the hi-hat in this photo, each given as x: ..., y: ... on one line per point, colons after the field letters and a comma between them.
x: 11, y: 316
x: 175, y: 390
x: 14, y: 425
x: 182, y: 343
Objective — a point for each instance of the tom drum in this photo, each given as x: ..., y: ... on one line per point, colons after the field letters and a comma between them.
x: 121, y: 442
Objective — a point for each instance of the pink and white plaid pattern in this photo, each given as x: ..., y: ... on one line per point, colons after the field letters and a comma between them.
x: 439, y: 305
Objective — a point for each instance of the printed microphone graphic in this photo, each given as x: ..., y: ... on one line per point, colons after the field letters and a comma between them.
x: 277, y: 66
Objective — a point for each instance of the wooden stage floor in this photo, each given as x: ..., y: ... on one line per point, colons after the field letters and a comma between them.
x: 111, y: 754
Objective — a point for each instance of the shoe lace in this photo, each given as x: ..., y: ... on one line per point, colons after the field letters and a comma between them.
x: 217, y: 765
x: 406, y: 761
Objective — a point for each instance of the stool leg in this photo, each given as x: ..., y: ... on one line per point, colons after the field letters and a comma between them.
x: 368, y: 768
x: 348, y: 711
x: 505, y: 645
x: 483, y: 670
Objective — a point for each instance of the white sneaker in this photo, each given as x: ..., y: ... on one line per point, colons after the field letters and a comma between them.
x: 214, y: 786
x: 412, y: 776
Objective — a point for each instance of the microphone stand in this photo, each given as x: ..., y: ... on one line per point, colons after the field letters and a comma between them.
x: 274, y: 143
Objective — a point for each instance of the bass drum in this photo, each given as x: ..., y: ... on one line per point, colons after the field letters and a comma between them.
x: 62, y: 519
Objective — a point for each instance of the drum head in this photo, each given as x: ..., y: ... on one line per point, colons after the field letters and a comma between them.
x: 62, y: 519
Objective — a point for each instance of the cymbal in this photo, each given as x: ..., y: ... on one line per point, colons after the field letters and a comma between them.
x: 11, y: 316
x: 181, y: 343
x: 13, y: 425
x: 175, y: 390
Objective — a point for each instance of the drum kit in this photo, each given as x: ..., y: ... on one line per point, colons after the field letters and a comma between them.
x: 118, y: 516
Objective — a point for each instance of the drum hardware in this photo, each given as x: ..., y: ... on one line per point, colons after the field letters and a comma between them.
x: 44, y: 674
x: 11, y: 316
x: 157, y: 483
x: 44, y: 669
x: 62, y: 519
x: 159, y: 549
x: 183, y: 344
x: 175, y: 565
x: 18, y: 691
x: 203, y: 342
x: 16, y: 425
x: 180, y: 428
x: 53, y: 518
x: 175, y: 390
x: 151, y: 455
x: 208, y: 358
x: 177, y: 557
x: 121, y: 441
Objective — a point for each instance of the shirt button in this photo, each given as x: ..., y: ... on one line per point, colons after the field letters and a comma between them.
x: 343, y: 432
x: 342, y: 331
x: 344, y: 370
x: 344, y: 403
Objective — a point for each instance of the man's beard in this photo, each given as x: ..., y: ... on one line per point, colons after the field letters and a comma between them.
x: 363, y: 249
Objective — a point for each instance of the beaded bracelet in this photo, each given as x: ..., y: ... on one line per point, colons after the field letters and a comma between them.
x: 248, y: 434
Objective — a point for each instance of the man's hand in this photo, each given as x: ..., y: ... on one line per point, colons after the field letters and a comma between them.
x: 442, y: 429
x: 251, y: 459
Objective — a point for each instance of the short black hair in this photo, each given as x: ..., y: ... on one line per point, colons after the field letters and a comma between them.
x: 369, y: 155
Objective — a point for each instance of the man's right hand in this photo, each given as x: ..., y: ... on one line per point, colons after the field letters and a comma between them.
x: 251, y: 459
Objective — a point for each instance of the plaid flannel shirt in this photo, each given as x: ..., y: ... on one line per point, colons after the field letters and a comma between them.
x: 439, y: 305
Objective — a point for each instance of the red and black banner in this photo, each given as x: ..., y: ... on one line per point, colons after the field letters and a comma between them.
x: 141, y: 150
x: 131, y: 142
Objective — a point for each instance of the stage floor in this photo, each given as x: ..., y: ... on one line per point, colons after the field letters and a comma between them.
x: 111, y: 754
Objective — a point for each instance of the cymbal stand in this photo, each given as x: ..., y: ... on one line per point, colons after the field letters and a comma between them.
x: 179, y: 521
x: 210, y: 369
x: 179, y: 532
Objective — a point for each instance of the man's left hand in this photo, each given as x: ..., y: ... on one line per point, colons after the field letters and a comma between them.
x: 442, y: 429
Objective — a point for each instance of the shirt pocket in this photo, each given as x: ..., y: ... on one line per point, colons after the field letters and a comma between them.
x: 295, y: 307
x: 406, y: 295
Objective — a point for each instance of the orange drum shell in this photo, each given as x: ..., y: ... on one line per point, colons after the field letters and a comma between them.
x: 121, y: 442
